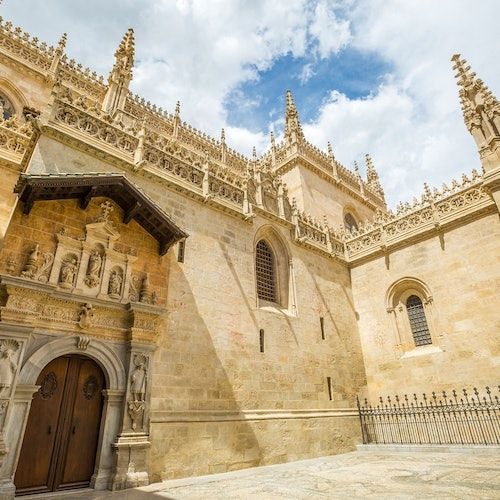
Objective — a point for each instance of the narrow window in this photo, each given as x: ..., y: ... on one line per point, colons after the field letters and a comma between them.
x: 265, y: 269
x: 6, y: 108
x: 350, y: 223
x: 418, y: 321
x: 181, y: 250
x: 322, y: 325
x: 261, y: 340
x: 329, y: 385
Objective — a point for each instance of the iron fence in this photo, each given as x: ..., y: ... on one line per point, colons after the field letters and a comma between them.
x: 466, y: 417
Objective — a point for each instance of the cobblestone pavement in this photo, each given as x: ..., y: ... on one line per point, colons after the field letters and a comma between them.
x: 378, y: 475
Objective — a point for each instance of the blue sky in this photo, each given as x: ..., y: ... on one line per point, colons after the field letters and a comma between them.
x: 371, y: 76
x: 256, y: 103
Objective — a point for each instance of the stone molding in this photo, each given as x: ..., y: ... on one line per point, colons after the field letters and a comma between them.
x: 159, y: 416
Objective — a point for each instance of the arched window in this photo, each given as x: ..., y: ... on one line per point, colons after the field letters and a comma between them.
x: 350, y: 222
x: 6, y: 108
x: 265, y: 269
x: 418, y: 321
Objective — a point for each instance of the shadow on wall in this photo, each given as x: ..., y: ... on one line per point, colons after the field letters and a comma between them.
x: 190, y: 383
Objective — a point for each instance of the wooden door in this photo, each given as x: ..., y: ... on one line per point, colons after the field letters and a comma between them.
x: 62, y: 432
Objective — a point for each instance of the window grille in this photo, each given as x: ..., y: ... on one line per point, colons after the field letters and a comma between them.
x: 350, y: 223
x: 418, y: 321
x: 265, y: 271
x: 6, y: 107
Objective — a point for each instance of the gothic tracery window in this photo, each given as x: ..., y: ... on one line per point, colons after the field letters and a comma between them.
x: 418, y: 321
x: 350, y: 222
x: 6, y: 107
x: 265, y: 268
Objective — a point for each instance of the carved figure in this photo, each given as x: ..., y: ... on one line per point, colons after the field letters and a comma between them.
x: 31, y: 267
x: 115, y: 284
x: 94, y: 270
x: 136, y: 410
x: 138, y: 378
x: 8, y: 348
x: 68, y: 272
x: 85, y: 319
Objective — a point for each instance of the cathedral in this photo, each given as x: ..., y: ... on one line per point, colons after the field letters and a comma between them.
x: 170, y: 307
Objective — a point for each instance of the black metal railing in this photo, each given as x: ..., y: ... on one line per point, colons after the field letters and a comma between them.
x: 467, y: 418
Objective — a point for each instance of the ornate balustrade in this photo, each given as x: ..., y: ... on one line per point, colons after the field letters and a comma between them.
x: 431, y: 213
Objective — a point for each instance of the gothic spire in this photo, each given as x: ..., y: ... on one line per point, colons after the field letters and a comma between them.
x: 121, y: 74
x: 372, y: 176
x: 481, y: 111
x: 293, y: 130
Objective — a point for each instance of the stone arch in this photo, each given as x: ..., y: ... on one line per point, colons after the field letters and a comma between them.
x: 350, y: 212
x: 401, y: 289
x: 283, y: 263
x: 14, y: 95
x: 396, y: 300
x: 107, y: 359
x: 114, y: 394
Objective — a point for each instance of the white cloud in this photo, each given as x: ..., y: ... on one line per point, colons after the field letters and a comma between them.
x: 331, y: 33
x: 306, y: 73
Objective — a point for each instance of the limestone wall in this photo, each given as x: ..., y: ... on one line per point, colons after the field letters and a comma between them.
x: 462, y: 273
x: 319, y: 197
x: 209, y: 358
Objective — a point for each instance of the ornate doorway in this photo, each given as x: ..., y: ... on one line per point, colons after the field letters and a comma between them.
x: 62, y: 433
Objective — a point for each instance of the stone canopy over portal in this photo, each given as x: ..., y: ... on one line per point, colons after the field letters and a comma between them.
x: 135, y: 204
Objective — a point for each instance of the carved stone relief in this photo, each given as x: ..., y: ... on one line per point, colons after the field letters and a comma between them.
x: 85, y: 316
x: 82, y: 342
x: 138, y: 385
x: 68, y: 271
x: 8, y: 348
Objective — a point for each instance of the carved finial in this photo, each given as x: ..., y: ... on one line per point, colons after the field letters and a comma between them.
x: 330, y: 149
x: 62, y: 42
x: 273, y: 142
x: 427, y: 192
x: 222, y: 136
x: 254, y: 154
x: 481, y: 112
x: 178, y: 109
x: 106, y: 209
x: 293, y: 130
x: 356, y: 168
x: 121, y: 74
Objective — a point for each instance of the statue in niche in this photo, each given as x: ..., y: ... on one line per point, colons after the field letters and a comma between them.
x: 8, y: 348
x: 31, y: 267
x: 94, y: 270
x: 68, y: 273
x: 115, y: 284
x: 138, y: 378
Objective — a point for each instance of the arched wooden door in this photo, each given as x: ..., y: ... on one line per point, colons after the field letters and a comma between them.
x: 62, y: 432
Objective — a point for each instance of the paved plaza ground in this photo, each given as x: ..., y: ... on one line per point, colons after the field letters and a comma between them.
x: 362, y: 474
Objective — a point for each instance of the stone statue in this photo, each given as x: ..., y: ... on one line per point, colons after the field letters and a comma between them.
x: 94, y: 269
x: 8, y: 348
x: 115, y: 283
x: 138, y: 378
x: 31, y: 267
x: 68, y: 272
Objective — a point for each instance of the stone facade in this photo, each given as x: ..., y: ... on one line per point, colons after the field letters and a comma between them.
x: 203, y: 375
